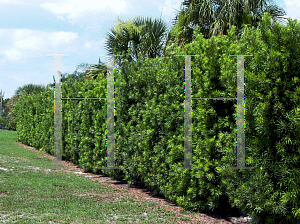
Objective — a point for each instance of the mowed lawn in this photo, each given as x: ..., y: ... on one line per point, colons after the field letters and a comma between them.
x: 30, y: 192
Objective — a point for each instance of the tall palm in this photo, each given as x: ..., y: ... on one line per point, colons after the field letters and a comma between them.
x: 215, y: 17
x: 81, y: 69
x: 144, y: 35
x: 94, y: 70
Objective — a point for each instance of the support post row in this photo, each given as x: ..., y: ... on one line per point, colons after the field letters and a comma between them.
x: 58, y: 112
x: 240, y: 113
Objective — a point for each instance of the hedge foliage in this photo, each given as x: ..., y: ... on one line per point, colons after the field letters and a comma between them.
x: 149, y: 118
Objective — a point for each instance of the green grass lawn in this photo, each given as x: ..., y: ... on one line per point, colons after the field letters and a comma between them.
x: 32, y: 195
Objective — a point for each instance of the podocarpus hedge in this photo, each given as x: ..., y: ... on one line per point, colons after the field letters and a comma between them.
x: 149, y: 128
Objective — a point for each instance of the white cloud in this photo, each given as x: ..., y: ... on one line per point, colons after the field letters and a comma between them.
x: 94, y: 44
x: 92, y: 14
x: 61, y: 17
x: 59, y: 38
x: 292, y: 9
x: 23, y: 43
x: 13, y: 55
x: 86, y: 12
x: 89, y: 45
x: 28, y: 40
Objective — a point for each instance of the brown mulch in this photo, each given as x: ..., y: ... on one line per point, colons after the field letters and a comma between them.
x: 141, y: 194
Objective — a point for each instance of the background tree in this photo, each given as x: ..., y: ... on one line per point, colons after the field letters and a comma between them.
x: 4, y: 103
x: 1, y: 103
x: 24, y: 90
x: 11, y: 118
x: 216, y: 17
x: 28, y: 89
x: 2, y: 111
x: 144, y: 35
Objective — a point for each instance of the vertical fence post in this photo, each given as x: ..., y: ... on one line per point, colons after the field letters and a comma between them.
x: 57, y: 110
x: 110, y: 99
x: 110, y: 113
x: 188, y: 150
x: 188, y: 114
x: 240, y: 119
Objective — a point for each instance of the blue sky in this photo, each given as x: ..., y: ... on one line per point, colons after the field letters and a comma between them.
x: 30, y: 29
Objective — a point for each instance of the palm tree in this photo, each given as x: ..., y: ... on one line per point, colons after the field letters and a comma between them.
x: 93, y: 71
x: 215, y: 17
x: 144, y: 35
x: 81, y: 69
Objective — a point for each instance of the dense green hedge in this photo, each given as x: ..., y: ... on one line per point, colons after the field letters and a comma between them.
x: 149, y: 128
x: 271, y: 191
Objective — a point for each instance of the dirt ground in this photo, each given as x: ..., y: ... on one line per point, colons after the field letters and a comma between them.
x: 143, y: 194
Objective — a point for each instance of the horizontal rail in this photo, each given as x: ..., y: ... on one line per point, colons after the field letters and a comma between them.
x: 83, y: 98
